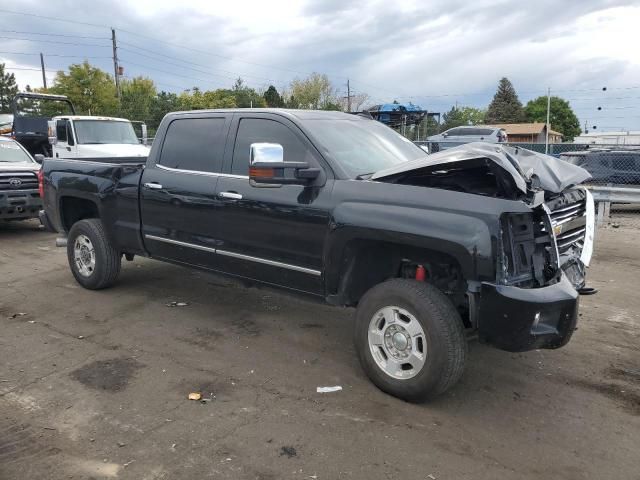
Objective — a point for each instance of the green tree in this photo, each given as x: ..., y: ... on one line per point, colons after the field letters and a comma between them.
x: 8, y: 89
x: 561, y: 116
x: 162, y: 104
x: 315, y: 92
x: 136, y: 98
x: 459, y: 116
x: 196, y: 99
x: 272, y: 98
x: 90, y: 89
x: 505, y: 106
x: 246, y: 97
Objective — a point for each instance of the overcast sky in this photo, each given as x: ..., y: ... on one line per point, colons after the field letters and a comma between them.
x: 431, y: 53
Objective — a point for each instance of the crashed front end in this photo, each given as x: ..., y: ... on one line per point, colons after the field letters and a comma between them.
x: 541, y: 255
x: 541, y: 267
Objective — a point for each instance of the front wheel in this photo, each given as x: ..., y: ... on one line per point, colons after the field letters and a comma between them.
x: 410, y: 339
x: 94, y: 262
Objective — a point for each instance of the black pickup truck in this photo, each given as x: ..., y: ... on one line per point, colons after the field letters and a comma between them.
x: 480, y: 238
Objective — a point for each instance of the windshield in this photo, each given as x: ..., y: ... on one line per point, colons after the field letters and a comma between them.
x: 363, y: 146
x: 104, y: 131
x: 10, y: 152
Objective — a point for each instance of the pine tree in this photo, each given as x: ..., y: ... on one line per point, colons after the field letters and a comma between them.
x: 273, y: 98
x: 8, y: 89
x: 505, y: 106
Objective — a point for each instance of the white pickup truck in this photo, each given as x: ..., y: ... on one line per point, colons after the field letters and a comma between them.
x: 78, y: 137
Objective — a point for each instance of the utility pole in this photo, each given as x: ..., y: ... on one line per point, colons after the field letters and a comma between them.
x: 44, y: 77
x: 115, y: 62
x: 348, y: 97
x: 546, y: 143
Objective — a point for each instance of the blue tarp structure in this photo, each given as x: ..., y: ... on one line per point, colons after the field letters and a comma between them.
x: 396, y: 114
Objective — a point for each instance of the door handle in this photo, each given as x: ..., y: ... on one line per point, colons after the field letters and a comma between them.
x: 230, y: 195
x: 153, y: 186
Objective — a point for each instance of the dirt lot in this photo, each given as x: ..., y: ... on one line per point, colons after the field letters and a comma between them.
x: 95, y: 384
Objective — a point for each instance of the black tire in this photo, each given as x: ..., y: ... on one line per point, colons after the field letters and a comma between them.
x: 107, y: 258
x: 446, y: 348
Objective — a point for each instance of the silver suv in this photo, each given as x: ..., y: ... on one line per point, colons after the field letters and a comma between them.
x: 461, y: 135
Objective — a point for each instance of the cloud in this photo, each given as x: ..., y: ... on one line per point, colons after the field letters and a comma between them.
x: 434, y: 54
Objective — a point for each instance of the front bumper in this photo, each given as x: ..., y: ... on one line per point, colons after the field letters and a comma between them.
x: 519, y: 319
x: 19, y: 204
x: 46, y: 223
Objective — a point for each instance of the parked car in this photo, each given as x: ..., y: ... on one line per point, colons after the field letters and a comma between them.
x: 83, y: 137
x: 48, y: 124
x: 342, y: 208
x: 19, y: 194
x: 617, y: 165
x: 461, y: 135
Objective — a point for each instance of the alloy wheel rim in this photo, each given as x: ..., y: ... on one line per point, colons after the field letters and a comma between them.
x: 397, y: 342
x: 84, y: 256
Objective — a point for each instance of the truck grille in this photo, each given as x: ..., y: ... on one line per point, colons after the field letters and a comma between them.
x: 18, y: 181
x: 569, y: 224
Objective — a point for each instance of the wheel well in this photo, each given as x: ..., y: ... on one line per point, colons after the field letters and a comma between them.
x: 73, y: 209
x: 370, y: 263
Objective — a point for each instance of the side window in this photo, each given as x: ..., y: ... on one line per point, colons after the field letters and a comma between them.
x: 194, y: 144
x: 454, y: 132
x: 254, y: 130
x: 61, y: 130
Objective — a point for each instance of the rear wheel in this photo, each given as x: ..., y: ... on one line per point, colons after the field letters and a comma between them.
x: 94, y: 262
x: 410, y: 339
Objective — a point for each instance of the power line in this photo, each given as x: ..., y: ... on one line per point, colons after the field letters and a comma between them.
x: 57, y: 42
x: 186, y: 61
x: 166, y: 71
x: 55, y: 35
x: 176, y: 64
x: 53, y: 55
x: 13, y: 12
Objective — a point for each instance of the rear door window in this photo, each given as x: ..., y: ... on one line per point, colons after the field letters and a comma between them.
x: 195, y: 144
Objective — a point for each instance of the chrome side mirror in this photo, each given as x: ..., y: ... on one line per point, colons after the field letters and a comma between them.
x: 268, y: 168
x: 267, y: 153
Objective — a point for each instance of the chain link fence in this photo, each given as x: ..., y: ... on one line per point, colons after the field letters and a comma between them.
x: 615, y: 171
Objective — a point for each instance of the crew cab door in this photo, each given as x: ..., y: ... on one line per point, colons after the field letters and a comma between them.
x: 178, y: 190
x: 66, y: 145
x: 274, y: 234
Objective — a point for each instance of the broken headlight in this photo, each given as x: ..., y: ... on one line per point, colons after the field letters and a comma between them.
x: 528, y: 256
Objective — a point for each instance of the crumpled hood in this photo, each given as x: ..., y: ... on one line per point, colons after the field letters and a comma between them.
x: 554, y: 175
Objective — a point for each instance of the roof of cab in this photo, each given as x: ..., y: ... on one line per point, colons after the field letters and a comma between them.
x: 91, y: 117
x: 292, y: 113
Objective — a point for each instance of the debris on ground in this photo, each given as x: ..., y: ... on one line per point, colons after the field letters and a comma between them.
x: 80, y: 337
x: 195, y: 396
x: 16, y: 315
x: 337, y: 388
x: 177, y: 304
x: 288, y: 451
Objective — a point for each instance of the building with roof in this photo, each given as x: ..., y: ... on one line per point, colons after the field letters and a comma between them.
x: 610, y: 138
x: 529, y: 132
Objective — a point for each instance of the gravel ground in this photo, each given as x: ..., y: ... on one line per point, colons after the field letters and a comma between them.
x: 94, y: 385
